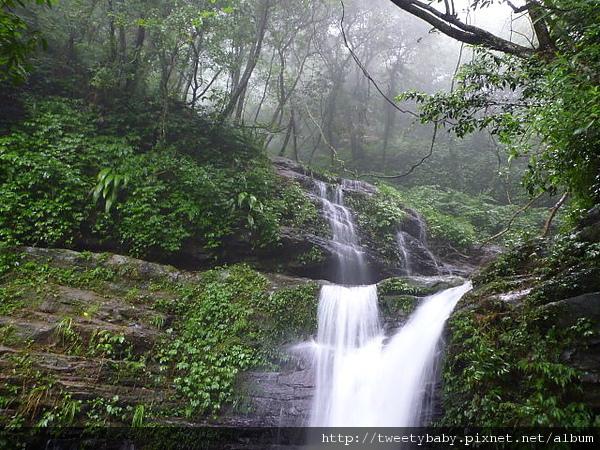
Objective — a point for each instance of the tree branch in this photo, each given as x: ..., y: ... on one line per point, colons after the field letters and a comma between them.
x: 511, y: 220
x: 553, y: 212
x: 451, y: 26
x: 364, y: 69
x: 423, y: 159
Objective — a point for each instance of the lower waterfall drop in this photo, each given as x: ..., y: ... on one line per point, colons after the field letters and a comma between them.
x: 360, y: 381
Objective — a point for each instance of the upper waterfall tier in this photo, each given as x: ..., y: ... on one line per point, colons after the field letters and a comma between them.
x: 349, y: 265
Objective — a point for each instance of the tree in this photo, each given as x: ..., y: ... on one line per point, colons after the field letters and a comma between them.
x: 240, y: 85
x: 448, y: 23
x: 17, y: 41
x: 542, y: 101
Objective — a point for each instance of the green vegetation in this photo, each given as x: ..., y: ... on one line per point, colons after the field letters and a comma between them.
x: 207, y: 330
x: 143, y: 127
x: 506, y: 368
x: 398, y: 286
x: 17, y: 41
x: 456, y: 222
x: 378, y: 217
x: 508, y: 362
x: 59, y: 192
x: 227, y: 324
x: 541, y: 104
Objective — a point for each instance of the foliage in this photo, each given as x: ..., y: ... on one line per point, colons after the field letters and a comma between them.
x: 569, y: 267
x: 295, y: 309
x: 108, y: 187
x: 505, y: 368
x: 566, y: 266
x: 509, y: 354
x: 522, y: 258
x: 212, y: 327
x: 297, y: 210
x: 34, y: 396
x: 42, y: 178
x: 213, y: 345
x: 382, y: 212
x: 526, y: 100
x: 455, y: 221
x: 379, y: 217
x: 17, y: 40
x: 460, y: 220
x: 397, y: 286
x: 153, y: 200
x: 228, y: 324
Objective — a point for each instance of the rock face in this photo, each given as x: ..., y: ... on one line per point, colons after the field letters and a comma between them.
x: 91, y: 342
x: 585, y: 353
x: 296, y: 242
x: 281, y: 399
x: 115, y: 316
x: 284, y: 398
x: 534, y: 312
x: 58, y: 320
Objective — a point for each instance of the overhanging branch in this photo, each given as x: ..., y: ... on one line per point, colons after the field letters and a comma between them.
x: 451, y: 26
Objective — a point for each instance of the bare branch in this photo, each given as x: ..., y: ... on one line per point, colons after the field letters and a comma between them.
x: 452, y: 26
x: 414, y: 166
x: 511, y: 220
x: 553, y: 212
x: 364, y: 69
x: 518, y: 9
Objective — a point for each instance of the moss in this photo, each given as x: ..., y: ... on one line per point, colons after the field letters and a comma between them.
x: 505, y: 362
x: 185, y: 341
x: 397, y: 305
x: 571, y: 282
x: 504, y: 368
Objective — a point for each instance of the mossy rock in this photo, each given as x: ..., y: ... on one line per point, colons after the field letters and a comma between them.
x: 570, y: 283
x: 397, y: 306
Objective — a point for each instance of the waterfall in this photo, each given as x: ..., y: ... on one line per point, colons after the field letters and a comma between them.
x: 364, y: 378
x: 348, y: 328
x: 360, y: 381
x: 349, y: 259
x: 422, y: 228
x: 415, y: 256
x: 404, y: 252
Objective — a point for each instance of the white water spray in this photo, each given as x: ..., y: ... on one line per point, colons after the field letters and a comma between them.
x: 360, y: 381
x: 404, y: 253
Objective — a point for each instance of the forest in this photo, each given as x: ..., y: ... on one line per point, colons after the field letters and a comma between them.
x: 166, y: 157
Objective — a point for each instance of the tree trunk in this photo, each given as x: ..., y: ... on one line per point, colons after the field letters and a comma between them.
x: 238, y: 95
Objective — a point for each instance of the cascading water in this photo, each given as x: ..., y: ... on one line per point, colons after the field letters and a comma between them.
x: 361, y: 381
x: 349, y: 261
x: 404, y: 253
x: 348, y: 329
x: 415, y: 256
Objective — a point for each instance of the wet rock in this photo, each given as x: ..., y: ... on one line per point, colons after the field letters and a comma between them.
x: 131, y: 267
x: 589, y: 227
x: 569, y: 311
x: 585, y: 354
x: 432, y: 284
x: 418, y: 258
x: 281, y: 399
